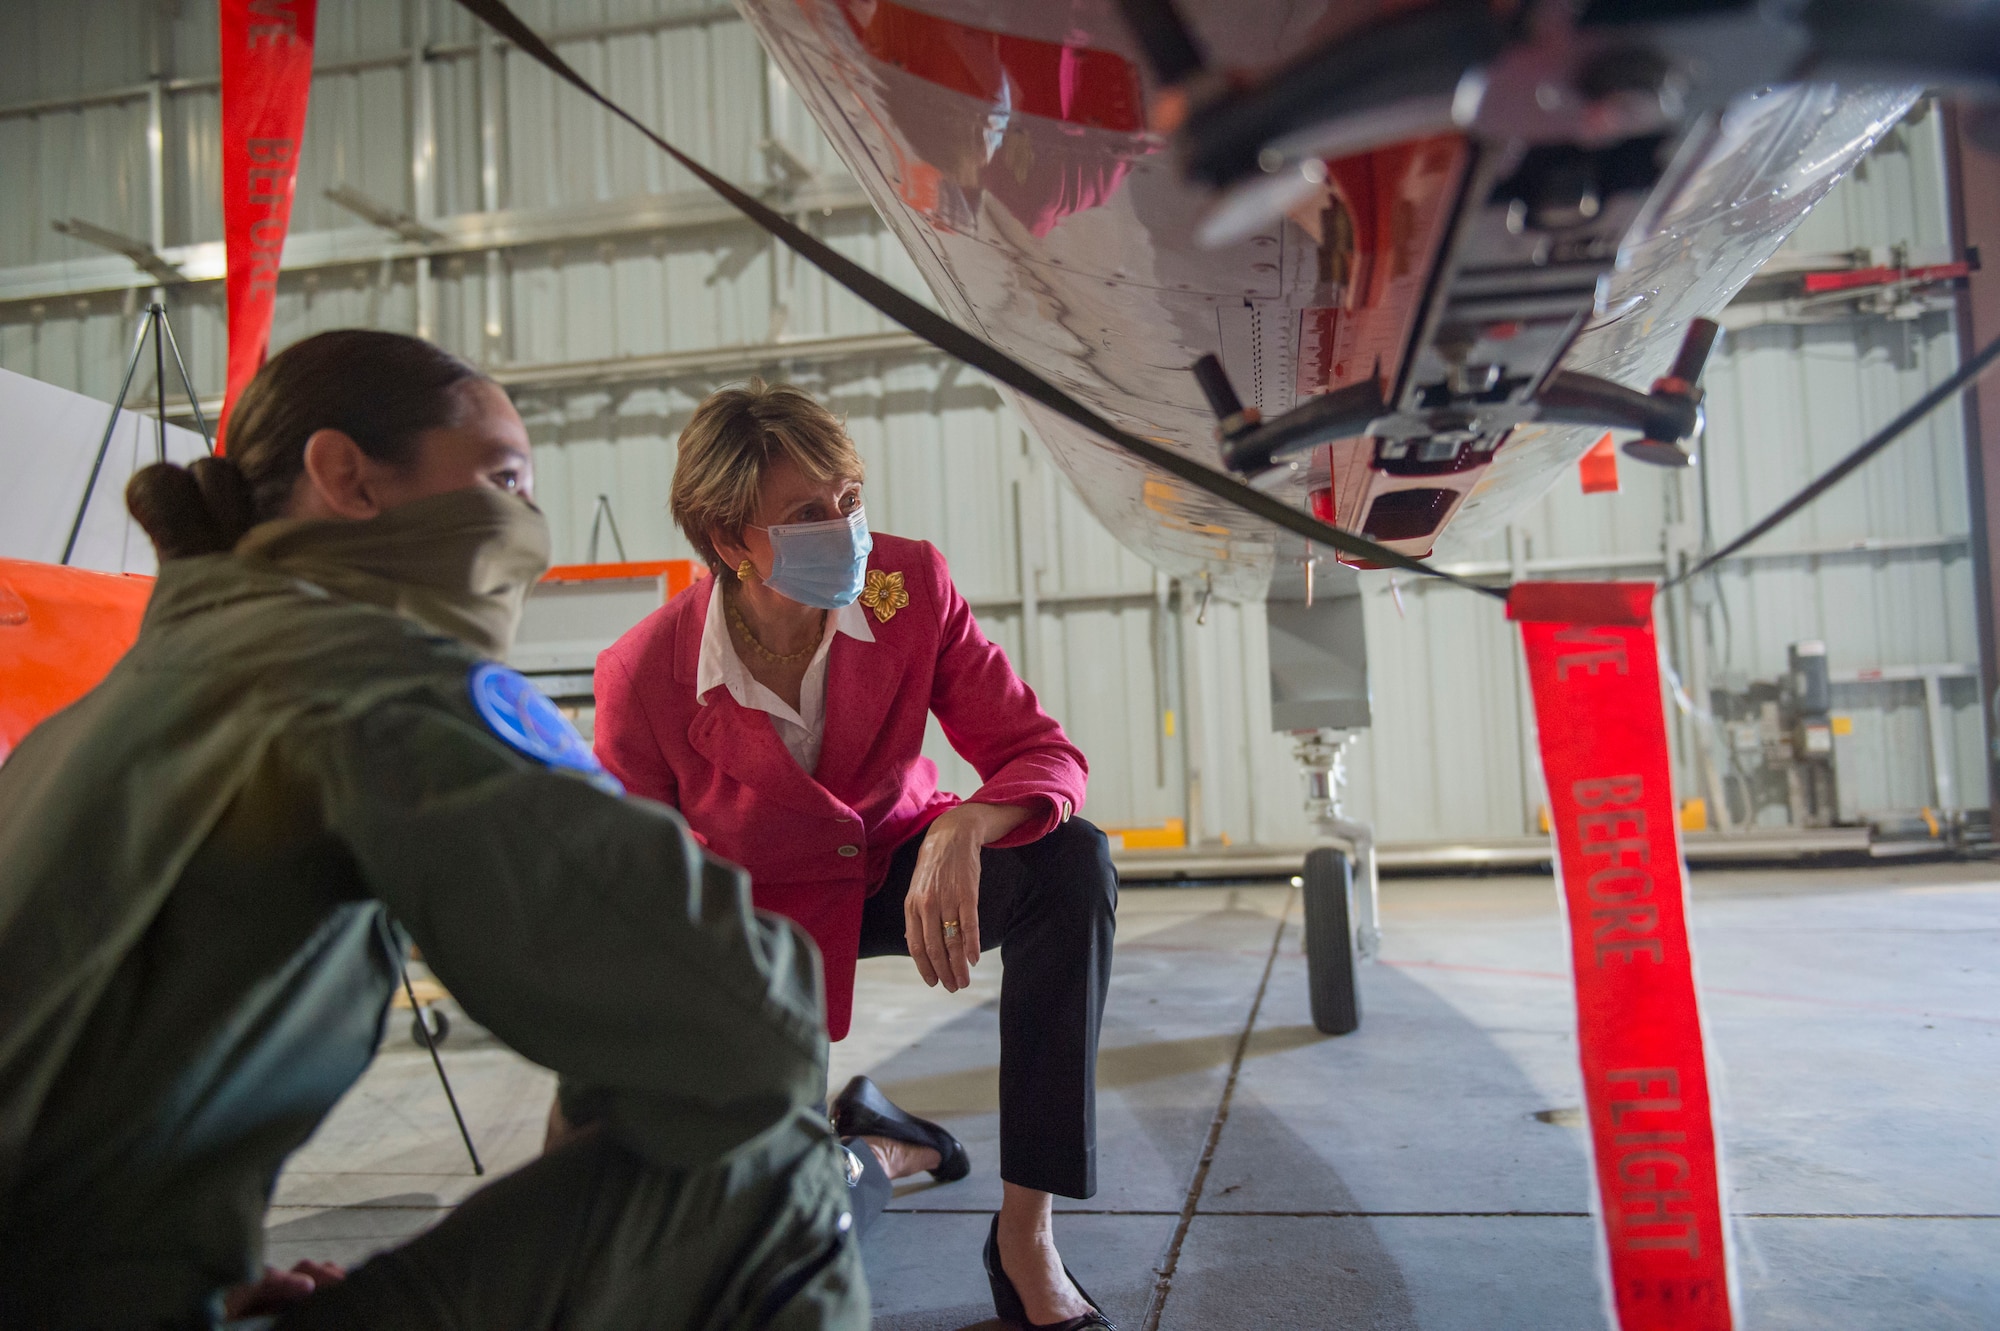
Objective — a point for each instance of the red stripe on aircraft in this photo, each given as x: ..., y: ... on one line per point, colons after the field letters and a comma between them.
x: 1074, y: 84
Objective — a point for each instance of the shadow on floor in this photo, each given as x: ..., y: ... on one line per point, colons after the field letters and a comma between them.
x: 350, y: 1233
x: 1321, y: 1260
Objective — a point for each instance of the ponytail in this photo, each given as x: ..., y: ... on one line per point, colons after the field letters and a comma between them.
x: 383, y: 390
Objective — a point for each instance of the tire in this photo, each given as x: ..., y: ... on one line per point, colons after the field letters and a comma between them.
x: 1329, y: 882
x: 434, y: 1017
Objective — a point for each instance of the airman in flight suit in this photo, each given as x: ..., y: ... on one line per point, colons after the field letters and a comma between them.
x: 209, y: 869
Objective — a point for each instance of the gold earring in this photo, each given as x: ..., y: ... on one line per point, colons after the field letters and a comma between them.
x: 745, y: 571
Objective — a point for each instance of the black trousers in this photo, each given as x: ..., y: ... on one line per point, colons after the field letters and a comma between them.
x: 1051, y: 905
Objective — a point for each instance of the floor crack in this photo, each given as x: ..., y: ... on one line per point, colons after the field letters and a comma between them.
x: 1164, y: 1282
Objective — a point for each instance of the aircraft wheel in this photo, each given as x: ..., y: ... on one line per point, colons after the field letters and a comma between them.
x: 434, y: 1018
x: 1329, y: 884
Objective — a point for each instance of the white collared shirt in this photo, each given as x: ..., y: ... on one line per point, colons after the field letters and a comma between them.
x: 801, y: 731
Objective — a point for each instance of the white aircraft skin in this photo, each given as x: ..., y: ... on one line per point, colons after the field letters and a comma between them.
x: 1006, y: 142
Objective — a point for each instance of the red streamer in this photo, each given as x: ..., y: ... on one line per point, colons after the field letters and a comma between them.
x: 266, y: 77
x: 1598, y: 468
x: 1594, y: 665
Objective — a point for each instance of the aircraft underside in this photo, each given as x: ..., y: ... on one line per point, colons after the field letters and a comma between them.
x: 1462, y: 308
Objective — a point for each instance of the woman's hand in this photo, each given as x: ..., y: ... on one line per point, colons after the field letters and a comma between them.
x: 278, y: 1290
x: 945, y: 886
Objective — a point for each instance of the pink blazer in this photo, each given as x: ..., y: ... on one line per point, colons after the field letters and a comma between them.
x: 817, y: 845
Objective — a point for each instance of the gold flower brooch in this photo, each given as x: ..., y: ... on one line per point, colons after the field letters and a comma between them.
x: 884, y: 594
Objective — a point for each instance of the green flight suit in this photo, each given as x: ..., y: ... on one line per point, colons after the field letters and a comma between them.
x: 199, y: 866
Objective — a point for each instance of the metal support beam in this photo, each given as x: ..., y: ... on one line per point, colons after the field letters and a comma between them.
x: 132, y: 92
x: 1941, y: 778
x: 423, y: 158
x: 150, y: 261
x: 1108, y: 598
x: 710, y: 362
x: 493, y: 327
x: 392, y: 220
x: 1974, y: 176
x: 1528, y: 738
x: 1028, y: 548
x: 1868, y: 545
x: 156, y: 167
x: 789, y: 174
x: 1895, y: 674
x: 463, y: 233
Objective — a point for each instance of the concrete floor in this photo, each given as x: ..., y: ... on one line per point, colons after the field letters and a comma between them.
x: 1424, y: 1172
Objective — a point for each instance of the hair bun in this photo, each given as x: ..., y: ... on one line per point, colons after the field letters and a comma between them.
x: 203, y: 509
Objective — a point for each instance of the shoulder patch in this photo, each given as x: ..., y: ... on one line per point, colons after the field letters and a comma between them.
x: 523, y: 716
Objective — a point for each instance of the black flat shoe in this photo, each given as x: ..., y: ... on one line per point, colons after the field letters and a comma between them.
x: 1007, y: 1300
x: 863, y: 1111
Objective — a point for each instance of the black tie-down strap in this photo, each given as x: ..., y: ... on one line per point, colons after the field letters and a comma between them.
x: 1957, y: 383
x: 954, y: 341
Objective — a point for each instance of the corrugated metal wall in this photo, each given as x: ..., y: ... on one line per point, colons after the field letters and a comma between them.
x: 583, y: 321
x: 1880, y: 573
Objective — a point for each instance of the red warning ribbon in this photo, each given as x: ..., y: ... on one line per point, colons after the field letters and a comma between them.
x: 266, y: 76
x: 1594, y: 665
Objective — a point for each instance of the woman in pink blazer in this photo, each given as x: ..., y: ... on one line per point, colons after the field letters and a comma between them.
x: 781, y: 706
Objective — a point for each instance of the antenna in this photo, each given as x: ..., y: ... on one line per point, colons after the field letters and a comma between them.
x: 155, y: 323
x: 598, y: 517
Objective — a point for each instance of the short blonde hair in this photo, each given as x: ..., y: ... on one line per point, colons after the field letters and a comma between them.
x: 733, y: 438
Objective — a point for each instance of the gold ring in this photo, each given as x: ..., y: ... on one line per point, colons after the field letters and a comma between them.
x: 950, y: 929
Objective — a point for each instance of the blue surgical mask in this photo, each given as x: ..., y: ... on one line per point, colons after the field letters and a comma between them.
x: 820, y: 564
